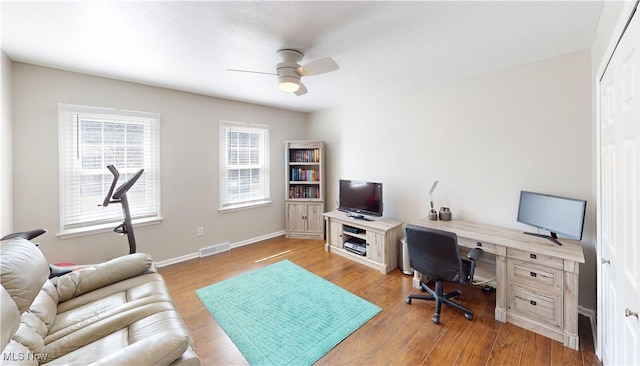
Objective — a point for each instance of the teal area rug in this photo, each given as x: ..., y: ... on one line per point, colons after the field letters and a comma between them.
x: 283, y: 314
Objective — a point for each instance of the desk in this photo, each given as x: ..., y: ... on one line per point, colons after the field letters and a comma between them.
x: 536, y: 281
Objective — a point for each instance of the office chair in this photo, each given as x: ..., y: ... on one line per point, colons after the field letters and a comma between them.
x: 434, y: 253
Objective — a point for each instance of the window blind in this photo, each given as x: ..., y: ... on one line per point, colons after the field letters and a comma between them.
x: 92, y: 138
x: 244, y: 162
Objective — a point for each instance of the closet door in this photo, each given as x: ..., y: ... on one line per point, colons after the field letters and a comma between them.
x: 619, y: 207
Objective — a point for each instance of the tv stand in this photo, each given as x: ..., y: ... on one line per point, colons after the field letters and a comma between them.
x: 376, y: 242
x: 360, y: 217
x: 553, y: 237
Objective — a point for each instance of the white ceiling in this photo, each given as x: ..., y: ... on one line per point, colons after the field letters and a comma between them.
x: 382, y: 47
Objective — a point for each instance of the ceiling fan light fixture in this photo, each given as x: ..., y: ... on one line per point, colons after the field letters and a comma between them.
x: 289, y: 70
x: 289, y: 84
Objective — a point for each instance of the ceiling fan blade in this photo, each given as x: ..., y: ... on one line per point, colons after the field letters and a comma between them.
x: 319, y: 66
x: 252, y: 72
x: 301, y: 90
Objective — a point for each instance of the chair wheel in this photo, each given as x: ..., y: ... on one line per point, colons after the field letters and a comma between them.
x: 408, y: 300
x: 468, y: 316
x: 435, y: 319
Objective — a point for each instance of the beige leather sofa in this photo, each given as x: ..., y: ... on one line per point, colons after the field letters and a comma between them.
x: 116, y: 313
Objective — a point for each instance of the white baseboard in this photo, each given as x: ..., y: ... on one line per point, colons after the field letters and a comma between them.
x: 170, y: 261
x: 195, y: 255
x: 257, y: 239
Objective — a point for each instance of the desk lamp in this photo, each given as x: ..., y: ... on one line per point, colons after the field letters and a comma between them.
x: 433, y: 214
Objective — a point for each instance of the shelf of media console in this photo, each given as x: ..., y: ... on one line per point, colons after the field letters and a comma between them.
x: 361, y: 234
x: 356, y: 248
x: 354, y: 240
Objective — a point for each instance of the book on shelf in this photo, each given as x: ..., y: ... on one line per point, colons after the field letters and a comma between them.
x: 300, y: 191
x: 304, y: 175
x: 304, y: 156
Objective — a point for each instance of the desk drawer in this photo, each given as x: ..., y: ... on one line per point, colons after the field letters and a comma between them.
x: 535, y: 258
x: 468, y: 243
x: 532, y: 274
x: 536, y: 305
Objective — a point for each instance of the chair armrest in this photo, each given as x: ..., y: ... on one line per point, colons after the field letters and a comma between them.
x: 475, y: 254
x: 25, y: 234
x: 118, y: 269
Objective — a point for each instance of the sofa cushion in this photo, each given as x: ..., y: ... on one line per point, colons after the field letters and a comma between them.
x: 144, y: 285
x: 23, y: 271
x: 113, y: 333
x: 105, y: 301
x: 109, y: 304
x: 161, y: 349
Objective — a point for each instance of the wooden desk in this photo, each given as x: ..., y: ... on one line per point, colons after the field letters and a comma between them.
x: 536, y: 280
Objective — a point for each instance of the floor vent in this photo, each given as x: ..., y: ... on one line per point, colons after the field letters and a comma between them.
x: 205, y: 252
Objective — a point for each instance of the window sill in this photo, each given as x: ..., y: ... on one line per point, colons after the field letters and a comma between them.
x: 244, y: 206
x: 96, y: 229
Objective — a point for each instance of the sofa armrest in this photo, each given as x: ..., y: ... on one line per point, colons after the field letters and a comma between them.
x: 161, y: 349
x: 118, y: 269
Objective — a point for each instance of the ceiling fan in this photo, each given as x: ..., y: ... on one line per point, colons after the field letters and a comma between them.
x: 289, y: 70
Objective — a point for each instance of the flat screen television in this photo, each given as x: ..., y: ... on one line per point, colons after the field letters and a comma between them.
x: 555, y: 214
x: 359, y: 198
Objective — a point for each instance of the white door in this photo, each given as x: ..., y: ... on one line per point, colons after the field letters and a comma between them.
x: 619, y: 207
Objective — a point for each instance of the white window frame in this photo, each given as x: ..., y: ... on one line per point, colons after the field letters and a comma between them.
x: 258, y: 195
x: 77, y: 219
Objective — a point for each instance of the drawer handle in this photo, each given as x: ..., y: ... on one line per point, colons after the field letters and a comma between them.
x: 629, y: 313
x: 533, y: 303
x: 532, y: 256
x: 533, y: 274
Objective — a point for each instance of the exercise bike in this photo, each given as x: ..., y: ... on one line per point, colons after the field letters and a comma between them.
x: 120, y: 196
x: 114, y: 195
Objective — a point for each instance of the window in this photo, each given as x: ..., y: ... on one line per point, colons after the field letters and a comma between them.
x: 92, y: 138
x: 244, y: 165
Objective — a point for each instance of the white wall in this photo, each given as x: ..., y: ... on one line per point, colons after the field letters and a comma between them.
x: 189, y: 153
x: 6, y: 155
x: 484, y: 138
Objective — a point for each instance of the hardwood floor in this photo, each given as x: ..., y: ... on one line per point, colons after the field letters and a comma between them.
x: 401, y: 334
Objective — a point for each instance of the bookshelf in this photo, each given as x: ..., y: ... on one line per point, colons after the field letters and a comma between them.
x: 304, y: 189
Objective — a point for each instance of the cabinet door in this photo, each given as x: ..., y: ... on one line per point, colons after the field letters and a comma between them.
x: 335, y: 234
x: 295, y: 214
x: 314, y: 217
x: 375, y: 246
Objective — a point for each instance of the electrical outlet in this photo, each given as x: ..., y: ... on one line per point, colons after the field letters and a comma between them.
x: 200, y: 231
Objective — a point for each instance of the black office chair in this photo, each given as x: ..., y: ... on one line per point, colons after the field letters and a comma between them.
x: 435, y: 254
